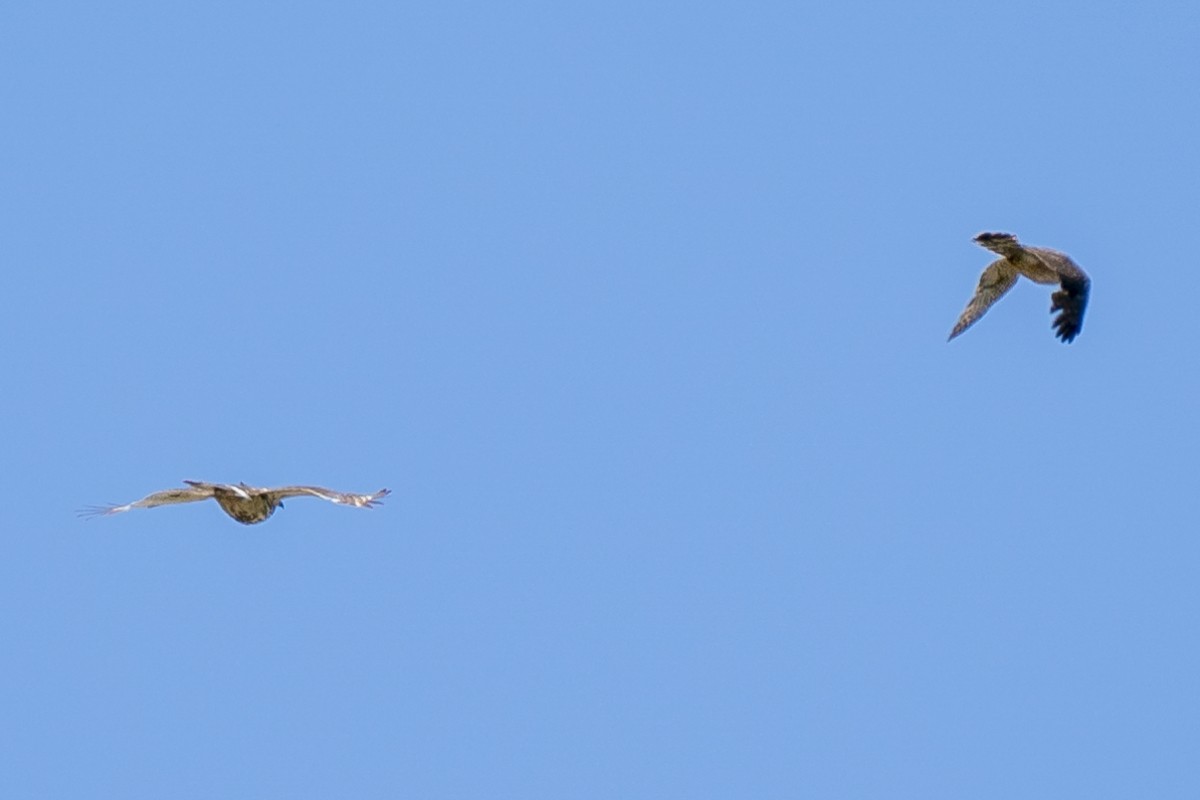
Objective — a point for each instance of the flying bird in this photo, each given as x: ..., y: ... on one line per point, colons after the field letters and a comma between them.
x: 246, y: 504
x: 1040, y: 265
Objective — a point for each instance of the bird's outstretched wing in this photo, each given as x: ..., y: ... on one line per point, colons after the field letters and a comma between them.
x: 342, y: 498
x: 163, y: 498
x: 998, y: 278
x: 1070, y: 301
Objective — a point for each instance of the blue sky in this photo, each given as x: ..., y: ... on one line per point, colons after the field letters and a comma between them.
x: 640, y: 311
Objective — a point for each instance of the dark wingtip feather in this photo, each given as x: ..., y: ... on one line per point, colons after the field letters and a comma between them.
x: 1070, y: 302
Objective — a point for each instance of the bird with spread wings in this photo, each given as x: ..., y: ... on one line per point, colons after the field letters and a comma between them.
x: 1040, y: 265
x: 246, y: 504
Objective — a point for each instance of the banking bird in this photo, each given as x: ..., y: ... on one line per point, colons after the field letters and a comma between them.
x: 1040, y: 265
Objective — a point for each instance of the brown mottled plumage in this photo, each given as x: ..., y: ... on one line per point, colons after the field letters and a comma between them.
x: 246, y: 504
x: 1040, y: 265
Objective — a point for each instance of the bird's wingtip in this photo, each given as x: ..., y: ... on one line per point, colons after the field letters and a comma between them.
x: 90, y: 512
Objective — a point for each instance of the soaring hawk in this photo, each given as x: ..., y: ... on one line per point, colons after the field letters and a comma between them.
x: 1040, y: 265
x: 246, y: 504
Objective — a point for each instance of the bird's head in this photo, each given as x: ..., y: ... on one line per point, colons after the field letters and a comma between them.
x: 987, y: 238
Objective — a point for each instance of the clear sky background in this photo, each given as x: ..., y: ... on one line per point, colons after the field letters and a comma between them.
x: 640, y: 310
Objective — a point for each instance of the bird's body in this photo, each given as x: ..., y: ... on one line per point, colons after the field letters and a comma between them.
x: 246, y: 504
x: 1038, y: 264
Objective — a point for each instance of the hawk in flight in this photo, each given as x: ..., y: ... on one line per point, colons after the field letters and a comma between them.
x: 1040, y: 265
x: 246, y: 504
